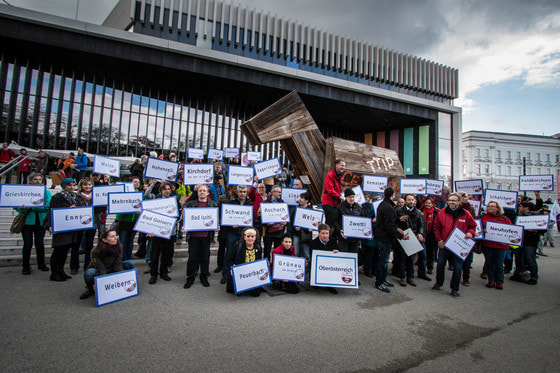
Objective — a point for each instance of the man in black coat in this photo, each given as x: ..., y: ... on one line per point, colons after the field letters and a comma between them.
x: 350, y: 208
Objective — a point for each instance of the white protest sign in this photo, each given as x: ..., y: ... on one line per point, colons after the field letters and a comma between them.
x: 231, y: 152
x: 308, y: 218
x: 375, y: 184
x: 375, y: 205
x: 115, y: 286
x: 16, y: 195
x: 434, y: 187
x: 536, y: 182
x: 238, y: 175
x: 200, y: 219
x: 100, y: 193
x: 215, y: 154
x: 195, y: 153
x: 291, y: 195
x: 508, y: 234
x: 197, y: 173
x: 476, y: 205
x: 413, y: 186
x: 357, y: 227
x: 254, y: 156
x: 125, y: 203
x: 334, y: 270
x: 250, y: 276
x: 268, y: 168
x: 104, y: 165
x: 534, y: 222
x: 165, y: 206
x: 128, y: 186
x: 237, y: 215
x: 506, y: 198
x: 479, y: 232
x: 469, y: 186
x: 359, y: 197
x: 412, y: 245
x: 72, y: 219
x: 161, y: 169
x: 288, y: 268
x: 305, y: 179
x: 274, y: 213
x: 157, y: 224
x: 458, y: 244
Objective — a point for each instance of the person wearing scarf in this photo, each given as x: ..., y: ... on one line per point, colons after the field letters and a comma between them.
x: 105, y: 258
x: 84, y: 198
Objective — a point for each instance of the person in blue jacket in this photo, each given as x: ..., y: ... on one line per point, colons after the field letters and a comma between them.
x: 80, y: 165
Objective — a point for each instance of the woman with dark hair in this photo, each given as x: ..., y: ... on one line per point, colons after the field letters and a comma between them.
x: 494, y: 252
x: 105, y: 258
x: 84, y: 199
x: 247, y: 251
x: 137, y: 169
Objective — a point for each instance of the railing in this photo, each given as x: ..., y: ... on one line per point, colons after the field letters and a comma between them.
x: 13, y: 163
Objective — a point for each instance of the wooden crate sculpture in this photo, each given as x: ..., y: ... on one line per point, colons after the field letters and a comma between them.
x: 311, y: 156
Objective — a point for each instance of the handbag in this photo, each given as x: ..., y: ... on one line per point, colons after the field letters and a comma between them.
x: 18, y: 223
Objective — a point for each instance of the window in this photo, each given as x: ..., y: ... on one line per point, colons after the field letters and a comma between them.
x: 538, y: 170
x: 508, y: 155
x: 519, y: 171
x: 538, y: 156
x: 557, y: 158
x: 498, y: 170
x: 508, y: 169
x: 464, y: 169
x: 464, y: 153
x: 487, y: 169
x: 478, y: 169
x: 486, y: 153
x: 548, y: 171
x: 528, y: 156
x: 518, y: 156
x: 498, y: 154
x: 548, y: 157
x: 478, y: 152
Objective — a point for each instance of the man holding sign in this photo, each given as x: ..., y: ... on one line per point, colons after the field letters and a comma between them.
x: 347, y: 207
x: 452, y: 216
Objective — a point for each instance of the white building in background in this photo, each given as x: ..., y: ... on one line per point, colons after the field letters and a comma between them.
x: 497, y: 158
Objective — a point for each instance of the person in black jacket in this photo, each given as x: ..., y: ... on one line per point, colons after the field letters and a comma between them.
x: 385, y: 231
x: 526, y: 255
x: 347, y: 207
x: 247, y: 251
x: 301, y: 237
x: 325, y: 243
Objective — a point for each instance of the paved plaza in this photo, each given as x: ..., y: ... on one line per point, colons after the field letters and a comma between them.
x: 45, y: 327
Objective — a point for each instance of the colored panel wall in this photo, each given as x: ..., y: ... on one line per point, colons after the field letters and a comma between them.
x: 424, y: 150
x: 394, y: 140
x: 368, y: 138
x: 408, y: 151
x: 381, y: 139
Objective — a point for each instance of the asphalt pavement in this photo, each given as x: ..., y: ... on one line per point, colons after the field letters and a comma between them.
x: 45, y: 327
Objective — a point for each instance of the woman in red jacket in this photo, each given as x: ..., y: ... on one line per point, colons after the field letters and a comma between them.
x: 23, y: 168
x: 494, y: 252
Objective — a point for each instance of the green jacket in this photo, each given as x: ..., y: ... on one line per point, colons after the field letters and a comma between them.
x: 36, y: 212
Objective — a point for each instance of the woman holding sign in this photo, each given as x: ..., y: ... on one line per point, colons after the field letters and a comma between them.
x: 247, y: 251
x: 85, y: 194
x: 494, y: 252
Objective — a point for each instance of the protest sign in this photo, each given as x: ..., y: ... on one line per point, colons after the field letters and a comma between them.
x: 253, y: 156
x: 374, y: 184
x: 238, y: 175
x: 128, y: 187
x: 469, y: 186
x: 250, y: 276
x: 291, y: 195
x: 165, y: 206
x: 359, y: 197
x: 412, y: 245
x: 458, y: 244
x: 115, y: 287
x: 506, y: 198
x: 334, y: 270
x: 508, y: 234
x: 231, y: 152
x: 157, y: 224
x: 161, y: 169
x: 215, y: 154
x: 534, y: 222
x: 197, y: 173
x: 434, y: 187
x: 268, y: 168
x: 375, y: 205
x: 16, y: 195
x: 237, y: 215
x: 200, y: 219
x: 125, y: 203
x: 476, y: 205
x: 308, y: 218
x: 72, y: 219
x: 288, y: 268
x: 357, y: 227
x: 104, y: 165
x: 195, y: 153
x: 274, y: 213
x: 100, y: 193
x: 413, y: 186
x: 479, y: 232
x: 536, y: 183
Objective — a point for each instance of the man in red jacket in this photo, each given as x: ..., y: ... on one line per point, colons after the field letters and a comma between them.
x: 6, y: 156
x: 452, y: 216
x: 332, y: 191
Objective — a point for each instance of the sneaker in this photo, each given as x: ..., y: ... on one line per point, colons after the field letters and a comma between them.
x: 436, y: 287
x: 402, y: 282
x: 188, y: 284
x: 223, y: 280
x: 147, y: 270
x: 26, y: 271
x: 333, y: 290
x: 532, y: 282
x: 466, y: 283
x: 165, y: 277
x: 388, y: 284
x: 490, y: 285
x: 455, y: 294
x: 499, y: 286
x: 383, y: 288
x: 410, y: 282
x: 204, y: 282
x: 153, y: 280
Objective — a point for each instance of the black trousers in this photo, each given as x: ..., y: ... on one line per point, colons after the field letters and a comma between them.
x: 164, y: 248
x: 29, y: 234
x: 199, y: 256
x: 222, y: 242
x: 404, y: 263
x: 269, y: 242
x: 58, y: 258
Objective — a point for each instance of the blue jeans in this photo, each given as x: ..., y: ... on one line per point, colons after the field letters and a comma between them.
x: 368, y: 252
x: 94, y: 272
x: 422, y: 261
x: 381, y: 261
x: 494, y: 263
x: 127, y: 242
x: 231, y: 240
x: 526, y: 256
x: 148, y: 250
x: 443, y: 256
x: 301, y: 248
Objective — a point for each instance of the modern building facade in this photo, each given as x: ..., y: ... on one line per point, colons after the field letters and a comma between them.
x: 499, y: 158
x: 169, y: 75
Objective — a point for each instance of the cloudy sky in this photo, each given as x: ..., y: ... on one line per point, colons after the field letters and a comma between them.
x: 507, y: 51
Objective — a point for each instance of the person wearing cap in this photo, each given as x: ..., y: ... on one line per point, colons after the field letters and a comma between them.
x: 526, y: 255
x: 64, y: 241
x: 347, y: 207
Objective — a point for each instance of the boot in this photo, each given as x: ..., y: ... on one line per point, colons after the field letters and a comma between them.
x: 88, y: 293
x: 55, y: 273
